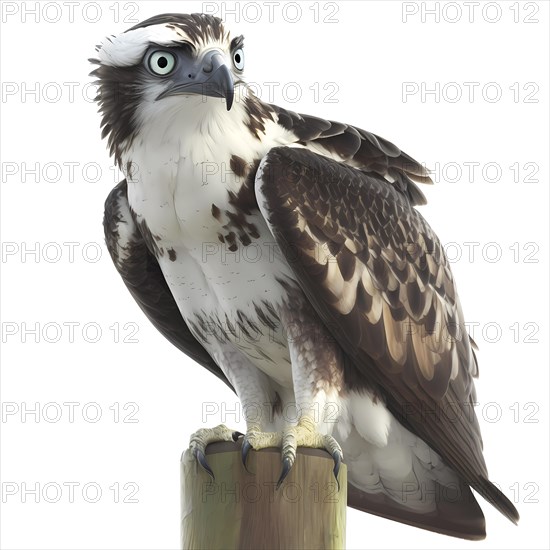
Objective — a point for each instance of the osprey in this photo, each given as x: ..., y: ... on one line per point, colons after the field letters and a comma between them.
x: 283, y: 253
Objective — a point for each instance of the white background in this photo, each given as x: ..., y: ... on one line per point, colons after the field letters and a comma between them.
x: 368, y: 54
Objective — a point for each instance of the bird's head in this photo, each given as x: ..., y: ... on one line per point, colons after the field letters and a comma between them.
x: 166, y: 63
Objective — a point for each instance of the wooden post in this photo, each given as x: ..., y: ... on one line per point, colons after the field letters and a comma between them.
x: 245, y: 511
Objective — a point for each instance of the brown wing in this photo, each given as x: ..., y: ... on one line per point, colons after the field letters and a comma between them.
x: 143, y: 277
x: 378, y: 277
x: 357, y: 148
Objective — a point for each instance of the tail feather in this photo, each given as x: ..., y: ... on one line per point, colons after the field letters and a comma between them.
x: 458, y: 517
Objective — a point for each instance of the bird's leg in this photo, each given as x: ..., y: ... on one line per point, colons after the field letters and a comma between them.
x: 317, y: 375
x: 253, y: 389
x: 203, y: 437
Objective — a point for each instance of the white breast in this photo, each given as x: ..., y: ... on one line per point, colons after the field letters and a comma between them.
x: 181, y: 169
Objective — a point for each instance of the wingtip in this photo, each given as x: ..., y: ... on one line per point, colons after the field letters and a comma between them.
x: 498, y: 499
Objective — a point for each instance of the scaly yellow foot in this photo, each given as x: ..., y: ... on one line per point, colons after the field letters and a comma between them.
x: 201, y: 438
x: 304, y: 434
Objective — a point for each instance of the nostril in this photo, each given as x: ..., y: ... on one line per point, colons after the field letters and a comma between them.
x: 190, y: 76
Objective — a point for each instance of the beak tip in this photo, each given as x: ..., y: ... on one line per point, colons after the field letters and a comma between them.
x: 229, y: 101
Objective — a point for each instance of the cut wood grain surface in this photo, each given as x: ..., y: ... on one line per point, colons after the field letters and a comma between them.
x: 245, y: 511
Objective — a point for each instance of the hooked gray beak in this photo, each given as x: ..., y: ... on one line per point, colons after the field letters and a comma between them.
x: 208, y: 76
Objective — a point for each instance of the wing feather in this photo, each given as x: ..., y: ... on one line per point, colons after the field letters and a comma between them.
x: 143, y: 277
x: 357, y: 147
x: 388, y: 297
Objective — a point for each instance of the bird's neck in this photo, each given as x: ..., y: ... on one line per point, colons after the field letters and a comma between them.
x: 197, y: 151
x: 199, y: 133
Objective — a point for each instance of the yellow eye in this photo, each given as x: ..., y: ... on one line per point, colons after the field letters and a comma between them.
x: 162, y: 62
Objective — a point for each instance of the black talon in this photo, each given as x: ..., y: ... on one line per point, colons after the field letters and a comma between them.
x: 244, y: 453
x: 199, y: 455
x: 235, y: 435
x: 287, y: 465
x: 337, y: 461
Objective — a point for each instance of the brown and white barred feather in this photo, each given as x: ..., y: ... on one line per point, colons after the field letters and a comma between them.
x: 378, y: 277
